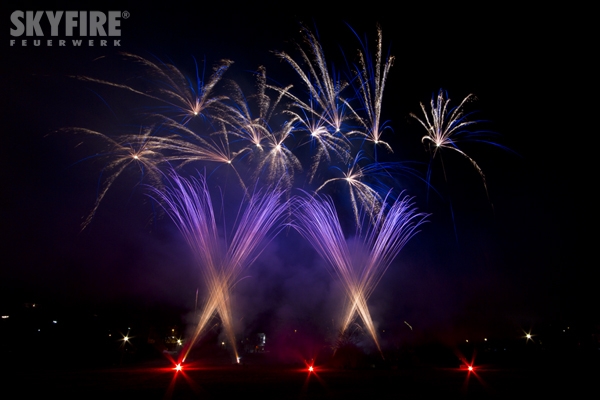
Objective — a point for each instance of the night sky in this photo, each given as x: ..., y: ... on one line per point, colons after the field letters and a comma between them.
x: 505, y: 263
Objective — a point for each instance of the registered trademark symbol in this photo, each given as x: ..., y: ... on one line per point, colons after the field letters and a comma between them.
x: 125, y: 14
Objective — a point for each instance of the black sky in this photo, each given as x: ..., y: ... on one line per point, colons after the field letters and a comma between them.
x: 520, y: 263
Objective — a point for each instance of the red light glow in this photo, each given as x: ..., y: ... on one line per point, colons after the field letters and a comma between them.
x: 178, y: 367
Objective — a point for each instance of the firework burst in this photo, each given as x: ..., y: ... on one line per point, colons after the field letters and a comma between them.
x: 446, y: 127
x: 325, y: 146
x: 141, y: 151
x: 324, y: 87
x: 184, y: 98
x: 266, y: 145
x: 371, y: 80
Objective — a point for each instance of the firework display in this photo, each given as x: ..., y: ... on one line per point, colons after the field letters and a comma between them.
x: 289, y: 149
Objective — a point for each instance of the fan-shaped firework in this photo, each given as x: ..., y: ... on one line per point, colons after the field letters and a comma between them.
x: 359, y: 265
x: 221, y: 259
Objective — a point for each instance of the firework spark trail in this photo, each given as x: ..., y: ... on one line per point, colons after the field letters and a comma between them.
x: 192, y: 211
x: 173, y: 88
x: 447, y: 126
x: 371, y: 84
x: 149, y: 149
x: 140, y: 150
x: 189, y: 204
x: 325, y: 113
x: 327, y: 145
x: 184, y: 146
x: 362, y: 196
x: 276, y: 162
x: 324, y: 87
x: 239, y: 118
x: 361, y: 263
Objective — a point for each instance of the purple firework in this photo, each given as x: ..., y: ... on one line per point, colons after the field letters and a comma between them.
x: 359, y: 261
x: 221, y: 259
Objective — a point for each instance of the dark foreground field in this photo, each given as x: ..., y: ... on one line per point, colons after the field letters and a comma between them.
x: 158, y: 380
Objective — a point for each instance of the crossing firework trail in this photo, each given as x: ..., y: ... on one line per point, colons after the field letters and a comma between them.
x: 220, y: 259
x: 359, y: 261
